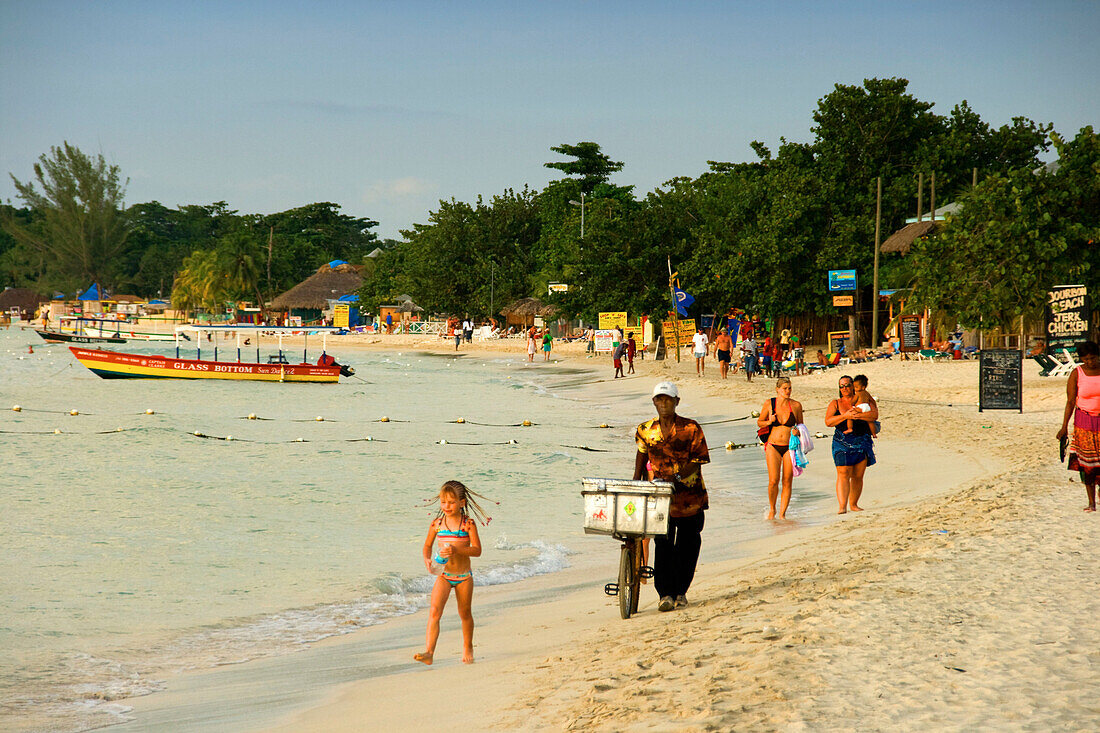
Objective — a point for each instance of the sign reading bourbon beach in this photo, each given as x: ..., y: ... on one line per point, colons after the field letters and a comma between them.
x: 1067, y: 316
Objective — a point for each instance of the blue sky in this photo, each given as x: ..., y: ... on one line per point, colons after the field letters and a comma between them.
x: 387, y: 107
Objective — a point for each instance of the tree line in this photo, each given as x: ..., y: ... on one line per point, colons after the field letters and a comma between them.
x: 73, y: 230
x: 759, y: 235
x: 762, y: 235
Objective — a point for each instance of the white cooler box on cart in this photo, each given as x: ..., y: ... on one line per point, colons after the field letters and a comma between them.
x: 625, y: 507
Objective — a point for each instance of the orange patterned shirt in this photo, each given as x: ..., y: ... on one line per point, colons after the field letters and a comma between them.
x: 672, y: 454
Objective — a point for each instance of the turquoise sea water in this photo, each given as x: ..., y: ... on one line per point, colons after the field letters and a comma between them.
x: 135, y: 553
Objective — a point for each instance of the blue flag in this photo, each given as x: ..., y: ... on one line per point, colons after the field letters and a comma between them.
x: 683, y: 302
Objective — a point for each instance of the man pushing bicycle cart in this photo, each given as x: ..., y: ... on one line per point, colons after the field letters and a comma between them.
x: 673, y: 448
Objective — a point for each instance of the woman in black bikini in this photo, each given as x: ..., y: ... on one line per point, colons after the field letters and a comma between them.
x: 781, y: 414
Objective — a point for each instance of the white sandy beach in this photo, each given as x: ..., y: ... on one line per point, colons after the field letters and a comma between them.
x: 963, y: 598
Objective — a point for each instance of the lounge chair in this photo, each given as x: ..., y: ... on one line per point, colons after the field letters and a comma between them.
x: 1047, y: 365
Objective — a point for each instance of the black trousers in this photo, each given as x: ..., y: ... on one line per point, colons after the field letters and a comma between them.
x: 676, y: 555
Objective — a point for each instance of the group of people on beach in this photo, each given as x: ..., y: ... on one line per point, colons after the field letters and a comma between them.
x: 767, y: 357
x: 672, y: 448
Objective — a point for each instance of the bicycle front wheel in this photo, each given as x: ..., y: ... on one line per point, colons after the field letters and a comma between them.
x: 628, y: 580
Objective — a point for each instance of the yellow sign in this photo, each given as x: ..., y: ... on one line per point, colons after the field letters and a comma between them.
x: 341, y: 315
x: 613, y: 320
x: 687, y: 330
x: 842, y: 300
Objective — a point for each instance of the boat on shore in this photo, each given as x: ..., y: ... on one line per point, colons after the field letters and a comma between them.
x: 57, y: 337
x: 121, y: 365
x: 122, y: 329
x: 118, y: 365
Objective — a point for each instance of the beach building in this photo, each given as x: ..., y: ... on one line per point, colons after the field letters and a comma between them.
x: 403, y: 311
x: 310, y: 299
x: 524, y: 312
x: 19, y: 304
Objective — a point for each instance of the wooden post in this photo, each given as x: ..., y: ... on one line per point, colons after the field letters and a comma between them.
x: 920, y: 195
x: 874, y: 287
x: 974, y: 178
x: 932, y: 203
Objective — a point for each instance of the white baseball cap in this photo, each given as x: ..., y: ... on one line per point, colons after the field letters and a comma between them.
x: 666, y: 388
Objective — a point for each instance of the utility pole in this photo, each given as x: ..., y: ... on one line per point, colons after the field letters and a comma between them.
x: 675, y: 311
x: 874, y: 289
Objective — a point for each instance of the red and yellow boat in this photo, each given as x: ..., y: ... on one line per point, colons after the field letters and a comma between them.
x: 117, y: 365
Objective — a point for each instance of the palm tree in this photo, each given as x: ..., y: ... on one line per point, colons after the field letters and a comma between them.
x: 239, y: 261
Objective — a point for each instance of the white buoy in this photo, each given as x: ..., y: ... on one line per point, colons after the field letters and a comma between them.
x: 461, y: 420
x: 251, y: 416
x: 56, y: 432
x: 319, y: 419
x: 383, y: 419
x: 513, y: 441
x: 150, y: 412
x: 197, y: 433
x: 16, y: 408
x: 299, y: 440
x: 229, y: 437
x: 369, y: 438
x: 443, y: 442
x: 74, y: 412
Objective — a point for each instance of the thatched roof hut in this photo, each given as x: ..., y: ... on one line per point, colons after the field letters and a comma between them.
x: 902, y: 240
x: 25, y: 299
x: 525, y: 310
x: 529, y: 308
x: 328, y: 283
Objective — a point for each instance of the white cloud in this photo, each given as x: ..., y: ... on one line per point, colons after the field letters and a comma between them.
x: 396, y: 189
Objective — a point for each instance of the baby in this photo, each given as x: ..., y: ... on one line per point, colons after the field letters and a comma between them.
x: 862, y: 399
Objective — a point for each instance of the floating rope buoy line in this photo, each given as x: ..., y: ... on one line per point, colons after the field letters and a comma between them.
x: 585, y: 447
x: 734, y: 446
x: 464, y: 421
x: 513, y: 441
x: 732, y: 419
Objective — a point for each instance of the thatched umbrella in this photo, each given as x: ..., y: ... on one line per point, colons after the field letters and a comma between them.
x: 313, y: 293
x: 901, y: 240
x: 527, y: 308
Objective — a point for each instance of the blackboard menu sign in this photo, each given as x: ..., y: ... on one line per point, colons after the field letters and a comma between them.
x: 1000, y: 380
x: 910, y: 333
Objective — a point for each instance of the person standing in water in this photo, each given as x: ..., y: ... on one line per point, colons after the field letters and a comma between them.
x: 781, y: 414
x: 452, y: 541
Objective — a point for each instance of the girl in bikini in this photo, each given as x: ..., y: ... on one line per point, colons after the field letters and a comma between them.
x: 780, y: 414
x: 458, y: 541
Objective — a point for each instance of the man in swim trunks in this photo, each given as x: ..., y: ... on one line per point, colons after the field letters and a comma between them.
x: 723, y: 348
x: 673, y: 448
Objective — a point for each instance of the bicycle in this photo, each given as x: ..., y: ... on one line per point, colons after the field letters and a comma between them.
x: 630, y: 511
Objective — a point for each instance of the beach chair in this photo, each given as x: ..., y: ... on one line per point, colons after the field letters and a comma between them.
x: 1071, y: 359
x: 927, y: 355
x: 1047, y: 365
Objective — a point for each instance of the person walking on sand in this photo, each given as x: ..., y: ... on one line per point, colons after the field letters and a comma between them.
x: 853, y: 453
x: 699, y: 350
x: 673, y: 448
x: 748, y: 354
x: 617, y: 359
x: 547, y: 344
x: 723, y: 348
x: 780, y: 414
x: 531, y: 335
x: 631, y: 350
x: 1083, y: 404
x: 452, y: 540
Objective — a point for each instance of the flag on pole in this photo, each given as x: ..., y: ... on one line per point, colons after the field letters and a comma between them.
x: 683, y: 302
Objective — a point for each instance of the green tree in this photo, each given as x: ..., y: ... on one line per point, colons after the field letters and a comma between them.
x: 80, y: 226
x: 590, y: 165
